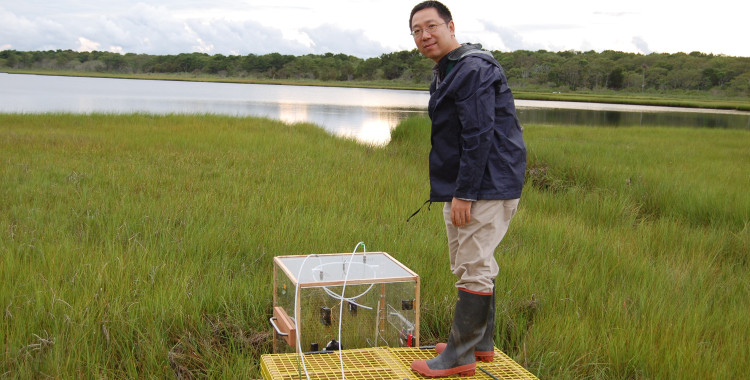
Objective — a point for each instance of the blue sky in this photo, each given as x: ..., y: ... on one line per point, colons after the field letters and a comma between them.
x: 368, y: 28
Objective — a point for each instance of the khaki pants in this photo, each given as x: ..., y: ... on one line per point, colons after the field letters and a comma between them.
x: 472, y: 247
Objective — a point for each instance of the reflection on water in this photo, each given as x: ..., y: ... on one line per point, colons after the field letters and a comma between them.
x: 292, y: 113
x: 367, y: 124
x: 367, y: 115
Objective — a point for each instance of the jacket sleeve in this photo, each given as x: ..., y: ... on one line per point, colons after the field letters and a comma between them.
x: 475, y: 103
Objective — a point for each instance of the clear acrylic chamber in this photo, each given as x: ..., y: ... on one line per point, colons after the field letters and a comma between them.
x: 379, y: 307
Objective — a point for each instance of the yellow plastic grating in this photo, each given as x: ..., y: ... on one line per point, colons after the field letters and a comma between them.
x: 376, y: 364
x: 366, y: 363
x: 502, y: 367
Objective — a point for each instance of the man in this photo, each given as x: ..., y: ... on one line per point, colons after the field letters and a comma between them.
x: 477, y: 166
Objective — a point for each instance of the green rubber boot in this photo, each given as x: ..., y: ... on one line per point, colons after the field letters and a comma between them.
x: 485, y: 349
x: 467, y: 330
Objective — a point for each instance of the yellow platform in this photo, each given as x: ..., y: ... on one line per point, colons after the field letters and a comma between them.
x: 376, y: 364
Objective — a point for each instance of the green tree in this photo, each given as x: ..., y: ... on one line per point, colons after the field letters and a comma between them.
x: 616, y: 79
x: 113, y: 62
x: 369, y: 69
x: 740, y: 85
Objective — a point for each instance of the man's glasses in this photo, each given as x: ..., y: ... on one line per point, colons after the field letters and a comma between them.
x: 429, y: 29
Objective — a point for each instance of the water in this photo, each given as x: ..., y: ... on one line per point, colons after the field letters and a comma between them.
x: 622, y: 115
x: 367, y: 115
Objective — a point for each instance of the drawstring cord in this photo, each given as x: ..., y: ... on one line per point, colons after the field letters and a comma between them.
x: 420, y: 209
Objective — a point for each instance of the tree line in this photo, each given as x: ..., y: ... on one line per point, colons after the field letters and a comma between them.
x: 527, y: 70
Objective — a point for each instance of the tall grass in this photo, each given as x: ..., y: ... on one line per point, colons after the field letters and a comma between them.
x: 635, y: 242
x: 142, y: 246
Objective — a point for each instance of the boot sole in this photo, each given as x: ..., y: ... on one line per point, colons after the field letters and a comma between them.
x: 465, y: 370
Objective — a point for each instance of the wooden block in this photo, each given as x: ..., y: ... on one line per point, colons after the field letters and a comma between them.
x: 286, y: 325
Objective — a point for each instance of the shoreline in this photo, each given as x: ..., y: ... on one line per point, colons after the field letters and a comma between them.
x: 657, y: 100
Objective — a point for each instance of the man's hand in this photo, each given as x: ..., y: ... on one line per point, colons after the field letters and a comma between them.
x: 460, y: 212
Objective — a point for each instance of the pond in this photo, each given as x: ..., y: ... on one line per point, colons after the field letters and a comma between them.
x: 367, y: 115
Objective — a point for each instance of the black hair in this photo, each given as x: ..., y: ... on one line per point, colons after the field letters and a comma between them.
x: 442, y: 10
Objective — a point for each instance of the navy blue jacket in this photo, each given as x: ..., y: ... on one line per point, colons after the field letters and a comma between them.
x: 478, y: 150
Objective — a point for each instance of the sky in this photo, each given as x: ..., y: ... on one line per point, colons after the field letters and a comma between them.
x: 369, y: 28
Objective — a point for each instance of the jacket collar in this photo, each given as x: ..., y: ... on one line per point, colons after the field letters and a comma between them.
x: 446, y: 64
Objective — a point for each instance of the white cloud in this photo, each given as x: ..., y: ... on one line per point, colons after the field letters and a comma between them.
x: 367, y: 29
x: 85, y: 44
x: 641, y: 45
x: 24, y: 32
x: 203, y: 47
x: 332, y: 39
x: 148, y: 29
x: 510, y: 38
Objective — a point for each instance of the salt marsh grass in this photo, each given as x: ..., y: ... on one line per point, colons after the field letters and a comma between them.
x: 141, y: 246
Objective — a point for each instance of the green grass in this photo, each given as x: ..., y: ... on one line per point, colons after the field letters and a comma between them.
x: 142, y: 246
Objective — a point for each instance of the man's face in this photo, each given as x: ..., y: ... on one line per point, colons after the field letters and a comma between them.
x: 440, y: 42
